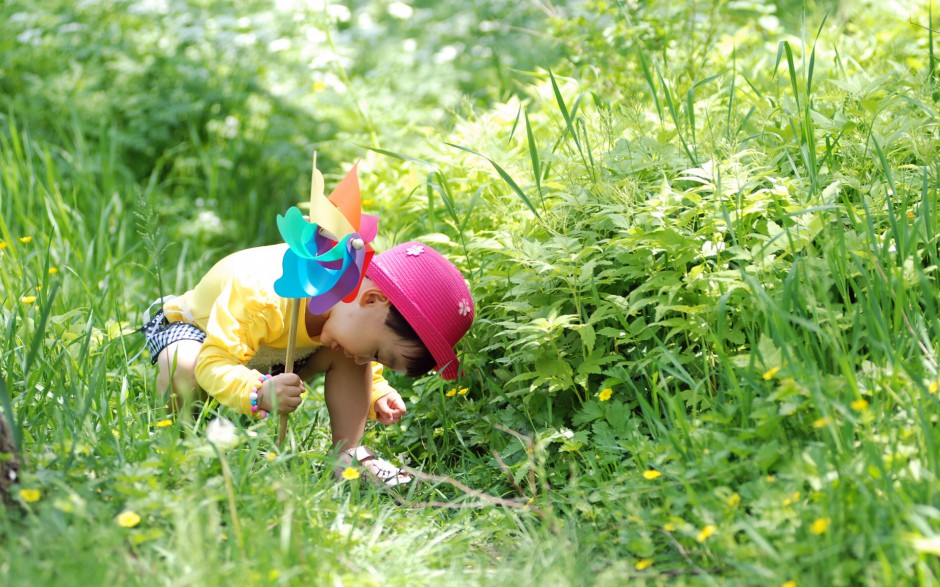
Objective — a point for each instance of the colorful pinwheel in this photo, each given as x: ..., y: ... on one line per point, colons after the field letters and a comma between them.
x: 327, y: 257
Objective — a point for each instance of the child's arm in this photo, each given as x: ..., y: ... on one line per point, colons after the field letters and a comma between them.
x: 242, y: 317
x: 386, y: 405
x: 380, y: 389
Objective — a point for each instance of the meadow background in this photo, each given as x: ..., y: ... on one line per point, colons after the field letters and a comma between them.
x: 702, y: 237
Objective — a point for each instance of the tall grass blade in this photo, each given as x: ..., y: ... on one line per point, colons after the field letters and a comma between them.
x: 559, y: 99
x: 534, y: 156
x: 38, y: 335
x: 515, y: 124
x: 587, y: 146
x: 784, y: 49
x: 932, y: 70
x: 648, y: 76
x: 402, y: 157
x: 673, y: 113
x: 506, y: 177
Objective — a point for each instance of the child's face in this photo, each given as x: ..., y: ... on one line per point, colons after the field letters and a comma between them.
x: 358, y: 330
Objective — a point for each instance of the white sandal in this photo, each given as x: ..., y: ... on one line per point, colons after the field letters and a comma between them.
x: 378, y: 470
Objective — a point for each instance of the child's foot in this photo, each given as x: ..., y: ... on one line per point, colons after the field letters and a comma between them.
x: 379, y: 471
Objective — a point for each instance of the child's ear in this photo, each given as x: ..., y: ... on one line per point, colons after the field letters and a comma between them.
x: 373, y: 295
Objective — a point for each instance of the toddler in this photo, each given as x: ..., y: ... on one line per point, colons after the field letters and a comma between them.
x: 227, y: 339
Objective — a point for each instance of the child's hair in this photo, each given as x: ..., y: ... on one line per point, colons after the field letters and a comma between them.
x: 432, y: 299
x: 420, y: 360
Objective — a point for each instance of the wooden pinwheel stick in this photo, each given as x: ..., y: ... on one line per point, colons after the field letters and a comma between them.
x: 316, y: 191
x: 289, y: 362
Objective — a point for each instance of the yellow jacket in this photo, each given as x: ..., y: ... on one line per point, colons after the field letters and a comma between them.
x: 247, y: 326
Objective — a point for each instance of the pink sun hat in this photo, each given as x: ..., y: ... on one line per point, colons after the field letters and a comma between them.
x: 431, y: 295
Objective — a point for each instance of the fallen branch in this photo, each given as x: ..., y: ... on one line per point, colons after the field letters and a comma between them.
x: 483, y: 499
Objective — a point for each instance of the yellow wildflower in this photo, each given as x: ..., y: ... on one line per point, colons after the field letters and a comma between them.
x: 770, y: 478
x: 819, y: 526
x: 605, y: 394
x: 669, y: 527
x: 706, y: 532
x: 164, y: 423
x: 349, y: 474
x: 53, y: 271
x: 859, y: 405
x: 643, y: 564
x: 794, y: 497
x: 128, y: 519
x: 651, y: 474
x: 910, y: 214
x: 789, y: 584
x: 452, y: 392
x: 270, y: 455
x: 463, y: 391
x: 933, y: 387
x: 3, y: 245
x: 769, y: 374
x: 28, y: 299
x: 735, y: 500
x: 25, y: 239
x: 30, y: 495
x: 821, y: 422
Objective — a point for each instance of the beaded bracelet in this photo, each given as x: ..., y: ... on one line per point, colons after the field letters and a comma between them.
x: 255, y: 397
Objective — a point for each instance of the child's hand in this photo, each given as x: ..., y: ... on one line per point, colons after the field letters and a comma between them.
x: 287, y: 387
x: 389, y: 408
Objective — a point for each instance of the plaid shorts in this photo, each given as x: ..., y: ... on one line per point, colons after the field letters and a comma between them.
x: 160, y: 334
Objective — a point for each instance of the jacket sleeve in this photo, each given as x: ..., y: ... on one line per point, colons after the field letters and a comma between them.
x: 243, y: 317
x: 380, y: 388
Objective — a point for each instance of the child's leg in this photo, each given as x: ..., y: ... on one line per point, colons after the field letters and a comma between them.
x: 348, y: 391
x: 177, y: 374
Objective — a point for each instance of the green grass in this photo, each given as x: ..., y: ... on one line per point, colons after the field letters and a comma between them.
x: 725, y: 213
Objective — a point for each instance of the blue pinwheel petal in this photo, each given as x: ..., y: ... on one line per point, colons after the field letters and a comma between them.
x: 298, y: 233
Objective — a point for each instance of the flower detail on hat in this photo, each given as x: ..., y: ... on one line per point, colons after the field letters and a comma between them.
x: 415, y: 250
x: 463, y: 307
